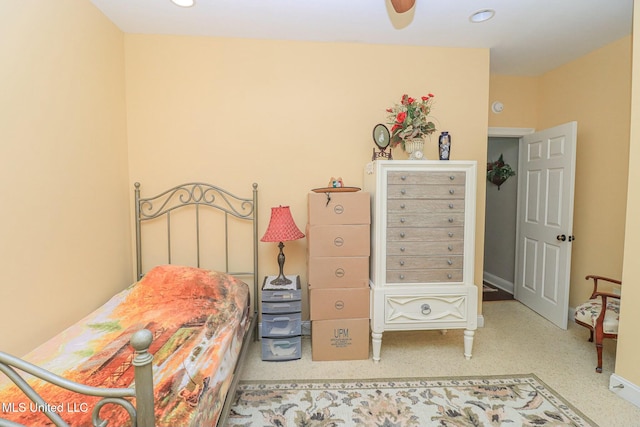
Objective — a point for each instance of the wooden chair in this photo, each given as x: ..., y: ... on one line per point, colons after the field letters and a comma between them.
x: 602, y: 323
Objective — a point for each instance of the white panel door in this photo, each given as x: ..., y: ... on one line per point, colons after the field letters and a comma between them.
x: 546, y: 172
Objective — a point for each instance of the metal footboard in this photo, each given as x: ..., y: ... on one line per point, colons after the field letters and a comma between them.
x: 141, y: 415
x: 160, y: 206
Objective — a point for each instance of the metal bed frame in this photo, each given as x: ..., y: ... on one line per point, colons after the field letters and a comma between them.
x: 199, y: 195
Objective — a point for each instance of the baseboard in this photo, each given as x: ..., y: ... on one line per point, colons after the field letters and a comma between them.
x: 625, y: 389
x: 498, y: 282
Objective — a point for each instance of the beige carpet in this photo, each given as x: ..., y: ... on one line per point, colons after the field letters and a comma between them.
x: 514, y: 340
x: 519, y: 400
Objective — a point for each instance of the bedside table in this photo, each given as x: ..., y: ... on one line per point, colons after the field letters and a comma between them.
x: 281, y: 320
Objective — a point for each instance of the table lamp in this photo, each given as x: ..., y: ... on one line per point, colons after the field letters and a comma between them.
x: 281, y: 228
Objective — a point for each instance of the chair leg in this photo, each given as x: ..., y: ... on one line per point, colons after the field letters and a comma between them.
x: 599, y: 350
x: 590, y: 335
x: 599, y: 338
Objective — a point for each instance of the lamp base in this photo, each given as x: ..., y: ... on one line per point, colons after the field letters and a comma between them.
x: 280, y: 281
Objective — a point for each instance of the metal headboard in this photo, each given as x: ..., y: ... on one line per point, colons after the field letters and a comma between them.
x: 197, y: 194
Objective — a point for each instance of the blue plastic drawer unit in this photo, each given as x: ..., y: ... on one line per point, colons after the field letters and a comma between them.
x: 281, y: 307
x: 281, y: 320
x: 281, y: 325
x: 279, y: 349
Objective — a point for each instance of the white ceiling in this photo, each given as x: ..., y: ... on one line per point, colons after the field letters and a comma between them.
x: 526, y: 37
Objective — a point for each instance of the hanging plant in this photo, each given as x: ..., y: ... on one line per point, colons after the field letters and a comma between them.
x: 498, y: 172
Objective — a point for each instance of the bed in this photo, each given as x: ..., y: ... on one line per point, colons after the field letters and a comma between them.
x: 166, y: 350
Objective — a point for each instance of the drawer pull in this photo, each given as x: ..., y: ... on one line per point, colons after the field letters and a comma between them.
x: 450, y: 234
x: 452, y: 191
x: 450, y: 247
x: 402, y: 220
x: 449, y: 276
x: 403, y: 177
x: 450, y: 262
x: 402, y: 277
x: 402, y: 206
x: 450, y: 205
x: 339, y: 272
x: 452, y: 177
x: 403, y: 191
x: 450, y: 219
x: 402, y: 262
x: 402, y: 249
x: 425, y: 309
x: 402, y: 234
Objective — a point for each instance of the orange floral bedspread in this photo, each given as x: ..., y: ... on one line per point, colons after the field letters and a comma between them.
x: 197, y: 317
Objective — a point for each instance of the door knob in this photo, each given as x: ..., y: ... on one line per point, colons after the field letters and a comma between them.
x: 561, y: 237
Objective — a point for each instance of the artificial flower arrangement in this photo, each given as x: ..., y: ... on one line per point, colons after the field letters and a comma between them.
x: 410, y: 119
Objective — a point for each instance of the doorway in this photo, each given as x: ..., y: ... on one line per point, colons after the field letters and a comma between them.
x: 500, y: 223
x: 544, y: 209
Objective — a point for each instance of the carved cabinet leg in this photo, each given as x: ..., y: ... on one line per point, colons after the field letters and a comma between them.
x: 376, y: 344
x: 468, y: 343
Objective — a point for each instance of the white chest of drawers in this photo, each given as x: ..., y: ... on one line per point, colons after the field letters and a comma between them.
x: 422, y: 247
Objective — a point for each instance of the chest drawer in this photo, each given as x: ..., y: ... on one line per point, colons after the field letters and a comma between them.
x: 425, y: 234
x: 426, y: 177
x: 425, y: 205
x: 423, y: 262
x: 453, y: 219
x: 426, y: 308
x: 424, y: 276
x: 425, y: 192
x: 421, y: 248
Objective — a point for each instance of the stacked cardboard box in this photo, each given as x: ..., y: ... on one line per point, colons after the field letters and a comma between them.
x: 338, y: 236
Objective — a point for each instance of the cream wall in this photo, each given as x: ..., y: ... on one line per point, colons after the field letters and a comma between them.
x: 596, y: 91
x: 593, y: 90
x: 519, y: 95
x: 629, y: 340
x: 288, y: 115
x: 64, y: 222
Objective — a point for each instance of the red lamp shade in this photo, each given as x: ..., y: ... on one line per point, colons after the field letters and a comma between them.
x: 281, y: 228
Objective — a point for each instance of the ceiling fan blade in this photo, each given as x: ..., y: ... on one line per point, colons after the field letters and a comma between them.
x: 401, y: 6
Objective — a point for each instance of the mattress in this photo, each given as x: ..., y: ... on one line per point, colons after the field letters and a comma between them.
x: 198, y: 319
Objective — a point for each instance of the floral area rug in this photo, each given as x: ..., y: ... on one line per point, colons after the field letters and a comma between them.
x: 515, y: 400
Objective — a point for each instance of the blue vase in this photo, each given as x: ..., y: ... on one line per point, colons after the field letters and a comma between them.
x: 444, y: 145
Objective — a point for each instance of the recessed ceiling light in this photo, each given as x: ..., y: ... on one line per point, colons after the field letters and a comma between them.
x: 482, y: 15
x: 184, y: 3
